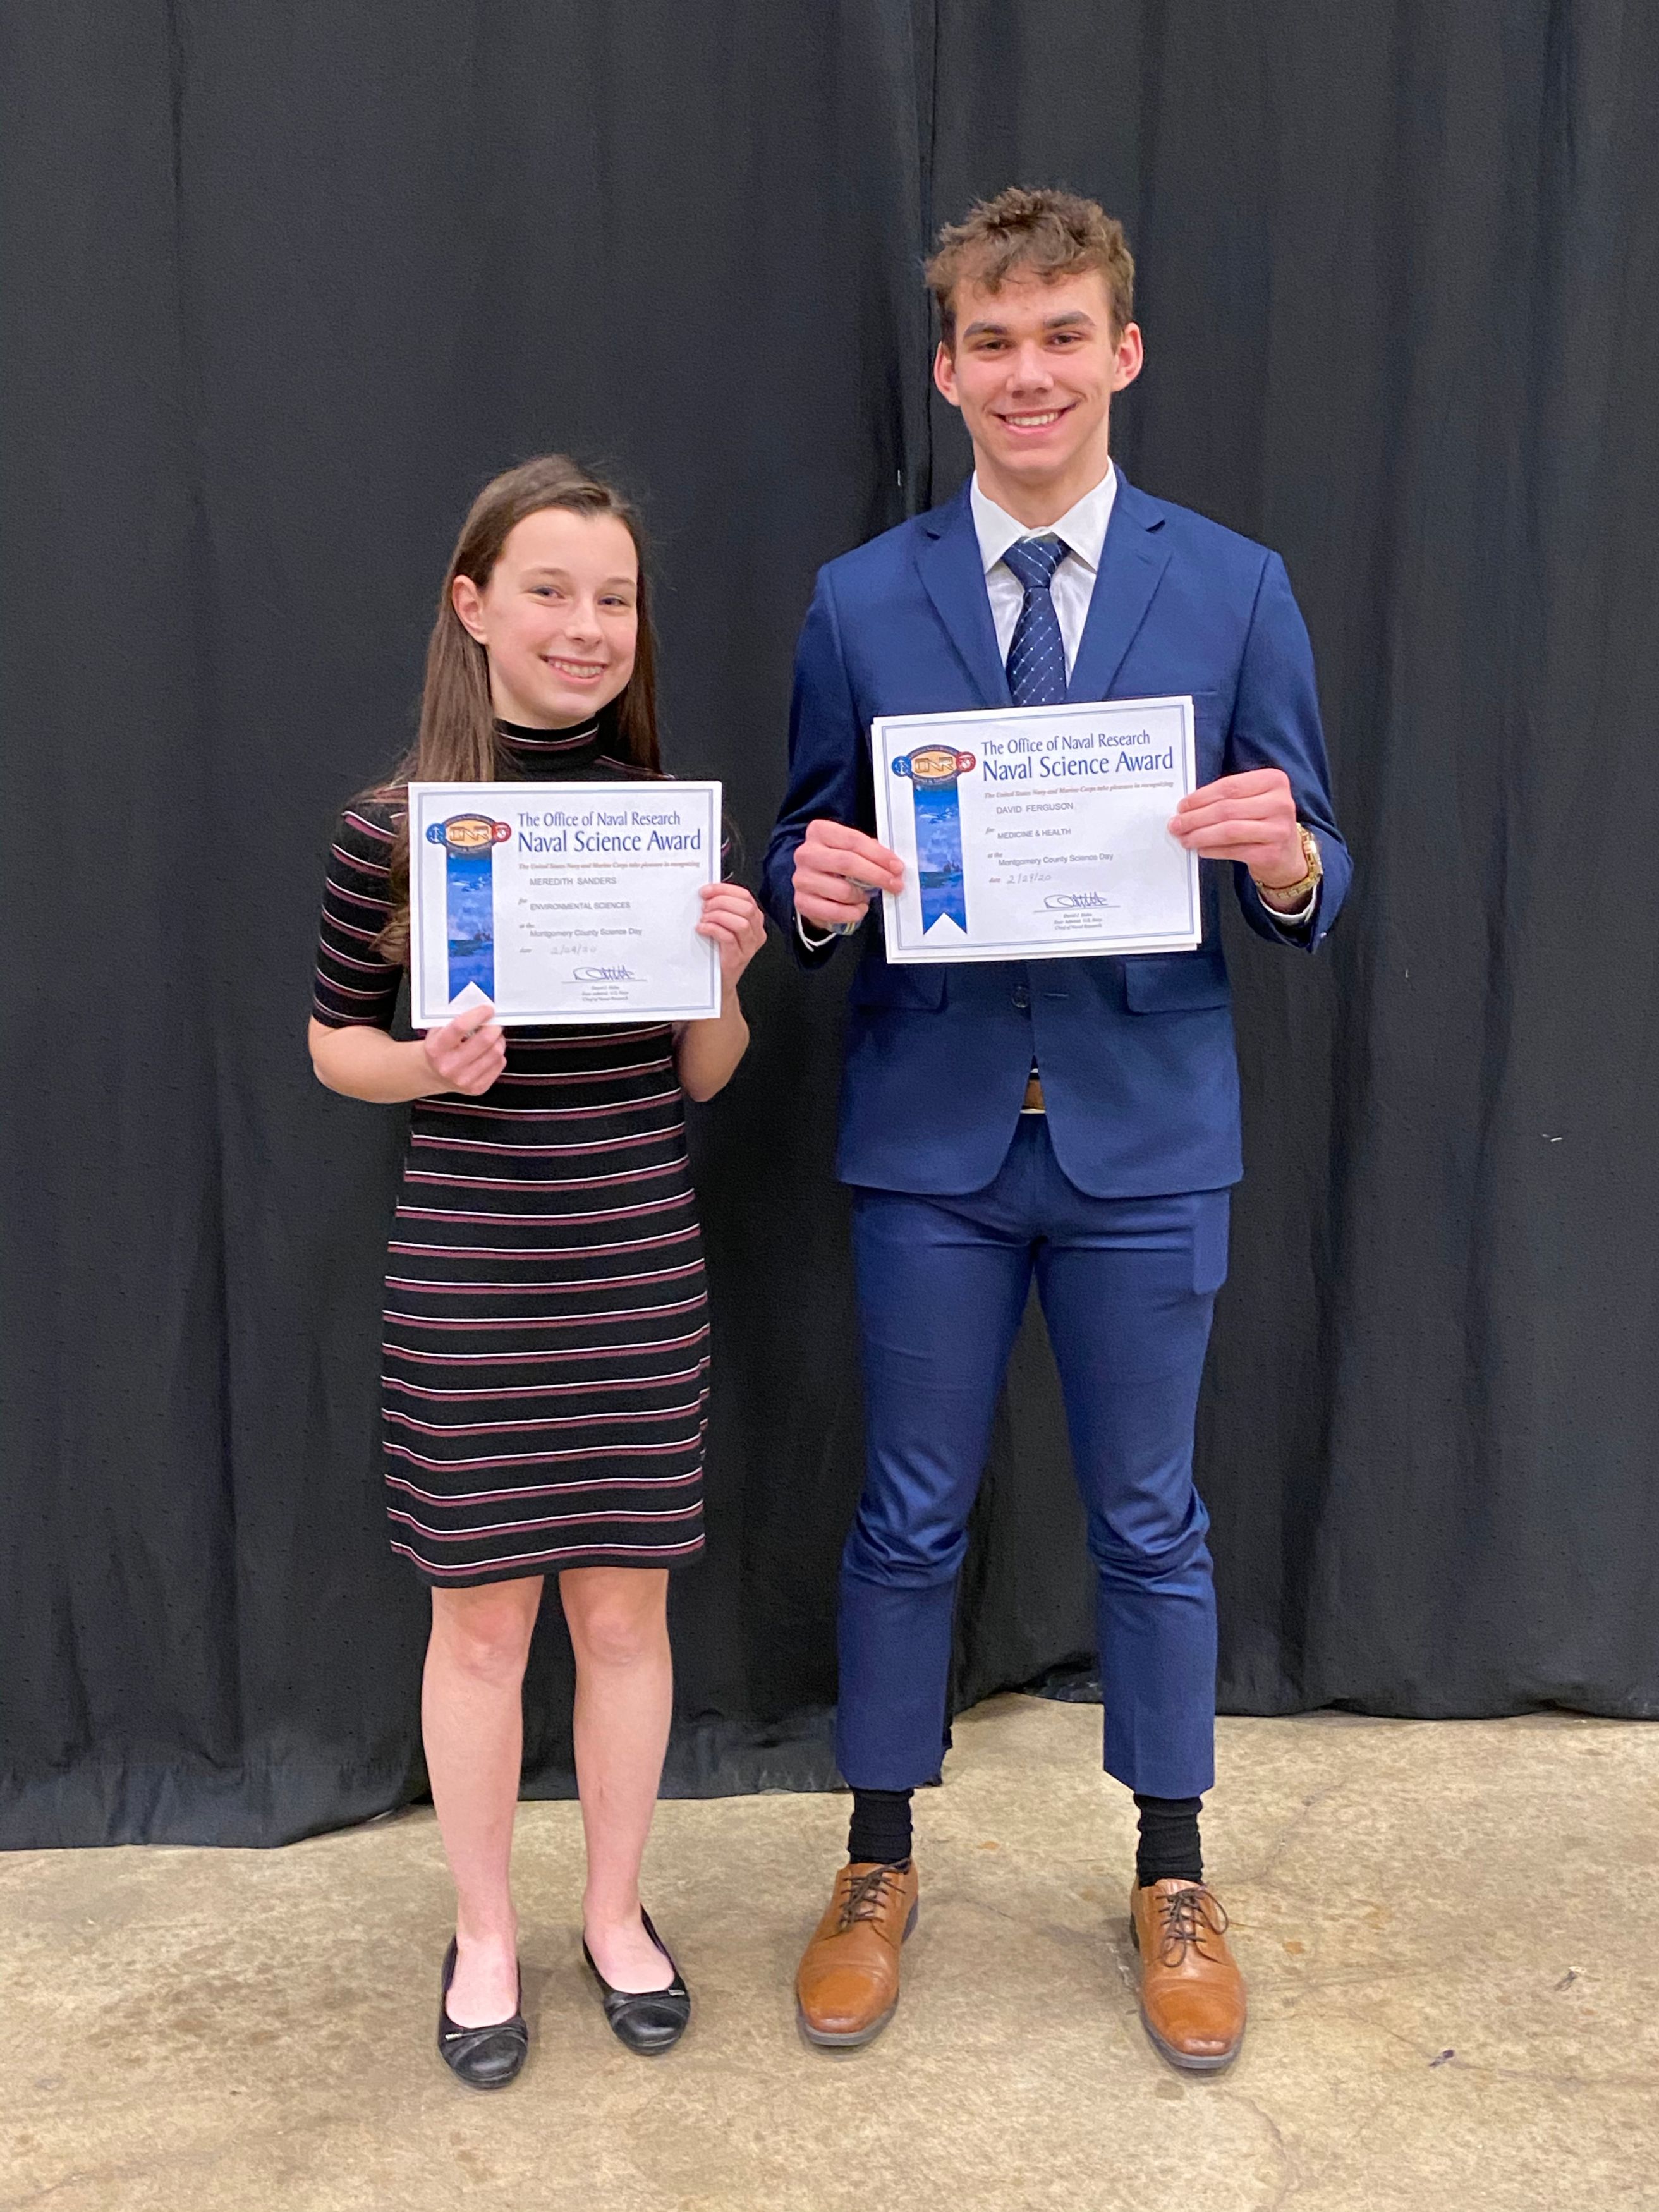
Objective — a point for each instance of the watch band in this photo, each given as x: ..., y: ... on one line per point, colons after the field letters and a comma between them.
x: 1305, y: 883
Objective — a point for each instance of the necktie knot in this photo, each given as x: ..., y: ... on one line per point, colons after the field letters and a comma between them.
x: 1034, y: 561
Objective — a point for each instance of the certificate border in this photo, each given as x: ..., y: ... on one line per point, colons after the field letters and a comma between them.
x: 709, y: 790
x: 900, y: 954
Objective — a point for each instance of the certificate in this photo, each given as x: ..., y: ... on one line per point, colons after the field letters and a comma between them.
x: 1038, y: 833
x: 562, y: 902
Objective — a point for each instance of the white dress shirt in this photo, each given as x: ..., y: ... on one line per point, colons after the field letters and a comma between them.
x: 1082, y: 531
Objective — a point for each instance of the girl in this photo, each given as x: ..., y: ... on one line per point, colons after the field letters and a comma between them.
x: 546, y: 1328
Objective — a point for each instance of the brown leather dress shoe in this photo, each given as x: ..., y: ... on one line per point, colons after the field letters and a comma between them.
x: 1192, y: 1995
x: 846, y: 1988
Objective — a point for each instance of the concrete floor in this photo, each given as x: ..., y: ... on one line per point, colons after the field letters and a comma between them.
x: 1448, y: 1930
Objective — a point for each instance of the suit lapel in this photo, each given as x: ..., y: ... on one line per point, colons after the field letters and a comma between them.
x: 954, y: 578
x: 1132, y: 565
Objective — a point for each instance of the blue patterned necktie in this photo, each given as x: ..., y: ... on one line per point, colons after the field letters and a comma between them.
x: 1036, y: 654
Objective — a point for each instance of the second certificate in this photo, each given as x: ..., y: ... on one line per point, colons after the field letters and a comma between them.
x: 1036, y: 833
x: 562, y: 902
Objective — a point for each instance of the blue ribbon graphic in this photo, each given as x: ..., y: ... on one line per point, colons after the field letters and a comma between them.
x: 934, y: 770
x: 469, y: 842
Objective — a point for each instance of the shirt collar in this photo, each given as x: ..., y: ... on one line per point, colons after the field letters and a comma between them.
x: 1083, y: 527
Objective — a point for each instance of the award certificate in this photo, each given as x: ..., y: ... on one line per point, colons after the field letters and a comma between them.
x: 562, y: 902
x: 1038, y: 833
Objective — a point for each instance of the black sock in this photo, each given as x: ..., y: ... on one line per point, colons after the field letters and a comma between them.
x: 1169, y: 1846
x: 880, y: 1827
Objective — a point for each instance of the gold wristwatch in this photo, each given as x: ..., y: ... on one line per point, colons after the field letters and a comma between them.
x: 1302, y: 889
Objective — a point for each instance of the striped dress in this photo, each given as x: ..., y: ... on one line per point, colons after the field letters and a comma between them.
x: 545, y: 1384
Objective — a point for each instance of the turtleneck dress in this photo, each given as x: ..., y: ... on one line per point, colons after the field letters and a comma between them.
x: 546, y: 1384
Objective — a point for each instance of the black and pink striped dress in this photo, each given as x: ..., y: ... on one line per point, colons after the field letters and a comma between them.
x: 546, y: 1325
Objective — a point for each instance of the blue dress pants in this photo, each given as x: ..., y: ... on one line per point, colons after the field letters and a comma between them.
x: 1128, y: 1286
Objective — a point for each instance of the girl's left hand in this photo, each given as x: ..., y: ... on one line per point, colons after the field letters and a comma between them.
x: 736, y: 923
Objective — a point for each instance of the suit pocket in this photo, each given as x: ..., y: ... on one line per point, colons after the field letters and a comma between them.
x: 1176, y: 982
x: 881, y: 988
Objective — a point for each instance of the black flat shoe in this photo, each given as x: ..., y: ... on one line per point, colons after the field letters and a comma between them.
x: 646, y: 2020
x: 487, y: 2057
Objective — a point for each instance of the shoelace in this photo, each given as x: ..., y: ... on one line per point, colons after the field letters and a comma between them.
x: 1189, y: 1915
x: 864, y: 1899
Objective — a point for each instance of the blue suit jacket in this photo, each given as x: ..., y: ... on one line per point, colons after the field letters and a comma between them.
x: 1139, y: 1070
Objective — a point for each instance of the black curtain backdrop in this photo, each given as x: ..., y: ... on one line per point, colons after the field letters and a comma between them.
x: 283, y: 284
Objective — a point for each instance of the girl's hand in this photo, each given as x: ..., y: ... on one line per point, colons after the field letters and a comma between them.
x: 736, y: 923
x: 468, y: 1054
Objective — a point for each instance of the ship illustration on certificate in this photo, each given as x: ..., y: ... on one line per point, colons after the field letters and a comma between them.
x: 469, y: 842
x: 933, y: 772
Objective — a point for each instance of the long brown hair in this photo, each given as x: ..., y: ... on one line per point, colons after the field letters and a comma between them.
x: 458, y: 741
